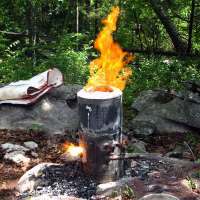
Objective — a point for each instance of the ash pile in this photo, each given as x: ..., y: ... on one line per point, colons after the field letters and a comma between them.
x: 56, y: 180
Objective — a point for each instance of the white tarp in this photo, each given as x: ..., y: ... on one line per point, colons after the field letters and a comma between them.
x: 28, y: 91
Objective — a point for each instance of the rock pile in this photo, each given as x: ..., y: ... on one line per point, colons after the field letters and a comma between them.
x: 17, y: 153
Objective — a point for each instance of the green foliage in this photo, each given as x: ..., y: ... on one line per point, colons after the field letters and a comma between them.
x: 35, y: 128
x: 191, y: 183
x: 14, y: 67
x: 51, y: 40
x: 160, y: 72
x: 114, y: 194
x: 3, y: 45
x: 135, y: 149
x: 197, y: 173
x: 73, y: 63
x: 63, y: 55
x: 125, y: 193
x: 128, y: 192
x: 192, y: 139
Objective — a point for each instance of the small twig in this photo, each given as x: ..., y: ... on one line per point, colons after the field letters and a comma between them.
x: 192, y: 184
x: 126, y: 156
x: 155, y: 157
x: 188, y: 146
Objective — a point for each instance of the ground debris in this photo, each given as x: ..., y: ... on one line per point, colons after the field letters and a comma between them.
x: 48, y: 151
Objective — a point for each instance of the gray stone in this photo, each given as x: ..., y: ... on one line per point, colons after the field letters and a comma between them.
x: 144, y: 99
x: 31, y: 145
x: 52, y: 197
x: 17, y: 157
x: 143, y: 127
x: 162, y: 196
x: 137, y: 146
x: 9, y: 147
x: 29, y: 181
x: 35, y: 155
x: 180, y: 151
x: 107, y: 188
x: 55, y: 113
x: 164, y: 112
x: 192, y: 85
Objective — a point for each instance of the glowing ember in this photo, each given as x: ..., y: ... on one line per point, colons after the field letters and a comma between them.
x: 109, y: 70
x: 73, y: 150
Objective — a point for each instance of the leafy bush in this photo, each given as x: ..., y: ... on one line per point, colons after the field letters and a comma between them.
x: 14, y: 67
x: 159, y: 72
x: 72, y: 62
x: 65, y: 55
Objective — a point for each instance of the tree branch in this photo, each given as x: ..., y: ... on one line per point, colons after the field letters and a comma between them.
x: 163, y: 53
x: 173, y: 33
x: 24, y: 34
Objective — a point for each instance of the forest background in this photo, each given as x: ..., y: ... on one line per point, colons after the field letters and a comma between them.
x: 164, y: 35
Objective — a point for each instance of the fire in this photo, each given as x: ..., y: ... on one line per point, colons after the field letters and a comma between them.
x: 73, y: 150
x: 109, y: 70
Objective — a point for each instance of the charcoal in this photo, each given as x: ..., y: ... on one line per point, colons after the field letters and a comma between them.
x: 64, y: 180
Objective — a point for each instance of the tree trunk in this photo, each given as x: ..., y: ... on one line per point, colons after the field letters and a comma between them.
x: 29, y: 21
x: 77, y: 16
x: 190, y: 29
x: 195, y: 55
x: 179, y: 45
x: 88, y: 22
x: 138, y: 31
x: 77, y: 24
x: 96, y: 18
x: 34, y: 35
x: 72, y: 16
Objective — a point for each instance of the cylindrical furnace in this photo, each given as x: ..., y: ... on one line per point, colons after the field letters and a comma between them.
x: 101, y: 132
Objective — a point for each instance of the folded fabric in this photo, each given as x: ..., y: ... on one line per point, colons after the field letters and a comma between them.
x: 28, y: 91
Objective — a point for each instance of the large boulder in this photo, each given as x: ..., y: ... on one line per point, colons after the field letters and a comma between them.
x: 55, y: 113
x: 162, y: 111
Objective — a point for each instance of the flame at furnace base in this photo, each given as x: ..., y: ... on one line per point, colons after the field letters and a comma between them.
x: 72, y: 150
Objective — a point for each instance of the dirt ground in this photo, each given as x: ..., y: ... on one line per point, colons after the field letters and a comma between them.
x: 49, y: 150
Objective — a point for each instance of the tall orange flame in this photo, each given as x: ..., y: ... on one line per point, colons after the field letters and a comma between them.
x: 109, y: 70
